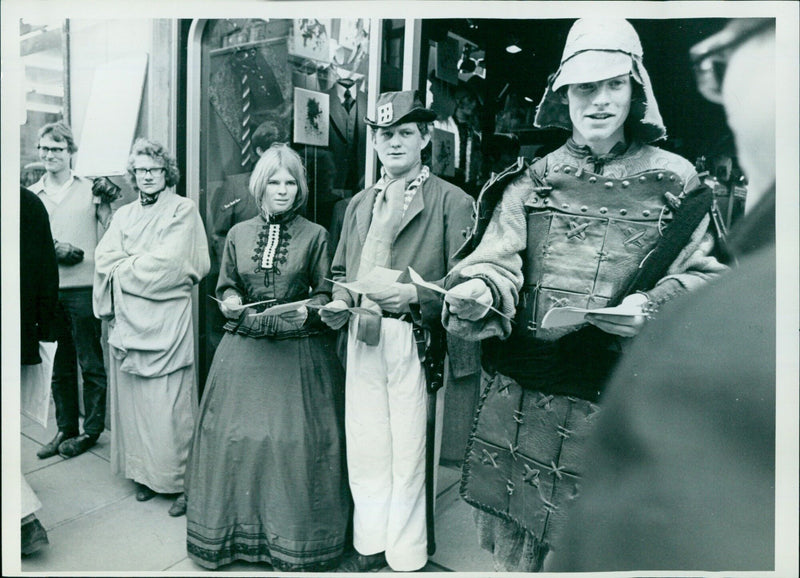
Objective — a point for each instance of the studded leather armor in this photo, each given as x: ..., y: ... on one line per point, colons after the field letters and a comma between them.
x: 587, y: 236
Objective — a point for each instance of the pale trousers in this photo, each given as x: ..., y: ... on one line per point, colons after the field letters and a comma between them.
x: 385, y: 417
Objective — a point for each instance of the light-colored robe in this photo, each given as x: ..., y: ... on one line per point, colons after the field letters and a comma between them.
x: 145, y: 268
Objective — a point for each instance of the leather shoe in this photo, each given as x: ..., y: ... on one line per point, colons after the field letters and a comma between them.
x: 178, y: 507
x: 77, y: 445
x: 360, y: 563
x: 50, y: 449
x: 143, y: 493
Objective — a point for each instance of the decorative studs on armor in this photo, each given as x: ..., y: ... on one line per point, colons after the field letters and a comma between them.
x: 556, y: 169
x: 646, y: 213
x: 609, y: 184
x: 660, y: 176
x: 584, y: 208
x: 565, y: 206
x: 567, y: 170
x: 642, y: 179
x: 603, y: 210
x: 592, y: 179
x: 623, y: 212
x: 625, y: 184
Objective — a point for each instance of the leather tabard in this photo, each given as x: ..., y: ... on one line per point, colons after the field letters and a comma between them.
x: 587, y: 237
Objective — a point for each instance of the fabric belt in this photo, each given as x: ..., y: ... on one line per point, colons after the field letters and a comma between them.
x: 399, y: 316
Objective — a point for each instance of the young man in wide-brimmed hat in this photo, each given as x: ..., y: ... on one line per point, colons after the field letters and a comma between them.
x: 409, y: 218
x: 606, y: 219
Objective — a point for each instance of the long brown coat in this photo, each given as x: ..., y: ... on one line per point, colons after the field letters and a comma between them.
x: 431, y: 231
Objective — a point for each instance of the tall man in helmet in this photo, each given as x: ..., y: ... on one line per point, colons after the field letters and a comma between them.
x: 606, y: 219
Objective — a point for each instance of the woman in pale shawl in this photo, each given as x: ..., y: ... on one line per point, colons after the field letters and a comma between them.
x: 154, y: 252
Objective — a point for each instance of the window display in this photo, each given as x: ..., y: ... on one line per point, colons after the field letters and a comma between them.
x: 301, y: 81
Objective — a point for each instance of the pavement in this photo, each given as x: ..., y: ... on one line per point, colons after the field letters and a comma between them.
x: 95, y: 524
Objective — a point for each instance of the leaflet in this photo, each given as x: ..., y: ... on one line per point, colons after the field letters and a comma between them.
x: 416, y: 279
x: 377, y: 280
x: 352, y: 310
x: 280, y: 309
x: 567, y: 316
x: 243, y: 306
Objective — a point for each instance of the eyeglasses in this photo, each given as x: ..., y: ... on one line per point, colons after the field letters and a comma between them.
x: 154, y: 172
x: 54, y: 150
x: 710, y: 57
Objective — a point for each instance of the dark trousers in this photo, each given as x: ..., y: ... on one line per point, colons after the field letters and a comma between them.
x: 78, y: 334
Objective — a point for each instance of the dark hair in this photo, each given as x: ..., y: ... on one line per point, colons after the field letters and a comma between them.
x: 634, y: 129
x: 633, y: 124
x: 267, y: 133
x: 59, y: 132
x: 157, y: 151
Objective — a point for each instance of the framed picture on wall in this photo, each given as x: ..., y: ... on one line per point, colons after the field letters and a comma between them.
x: 311, y: 117
x: 311, y: 38
x: 443, y: 154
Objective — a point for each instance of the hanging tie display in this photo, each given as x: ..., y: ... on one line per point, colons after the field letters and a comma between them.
x: 245, y: 132
x: 260, y: 97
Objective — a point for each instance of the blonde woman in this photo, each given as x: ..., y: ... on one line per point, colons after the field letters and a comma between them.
x: 266, y: 477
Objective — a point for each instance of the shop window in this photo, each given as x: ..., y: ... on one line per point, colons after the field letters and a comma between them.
x: 45, y: 98
x: 297, y: 81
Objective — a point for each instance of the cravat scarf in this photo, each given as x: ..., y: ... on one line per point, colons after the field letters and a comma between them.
x: 386, y: 216
x: 148, y: 198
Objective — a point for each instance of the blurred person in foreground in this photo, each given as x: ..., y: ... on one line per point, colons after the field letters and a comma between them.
x: 38, y: 284
x: 154, y: 252
x: 682, y: 473
x: 606, y: 219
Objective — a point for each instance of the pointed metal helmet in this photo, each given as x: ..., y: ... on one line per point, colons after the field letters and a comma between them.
x: 597, y: 49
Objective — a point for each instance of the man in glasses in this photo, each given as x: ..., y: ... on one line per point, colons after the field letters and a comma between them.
x: 78, y: 219
x: 683, y: 469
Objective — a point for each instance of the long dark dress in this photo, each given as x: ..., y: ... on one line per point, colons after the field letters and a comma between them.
x: 266, y: 480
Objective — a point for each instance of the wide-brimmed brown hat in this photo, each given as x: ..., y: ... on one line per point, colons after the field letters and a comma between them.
x: 399, y: 107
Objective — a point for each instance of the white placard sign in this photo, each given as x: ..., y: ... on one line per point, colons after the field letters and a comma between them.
x: 111, y: 117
